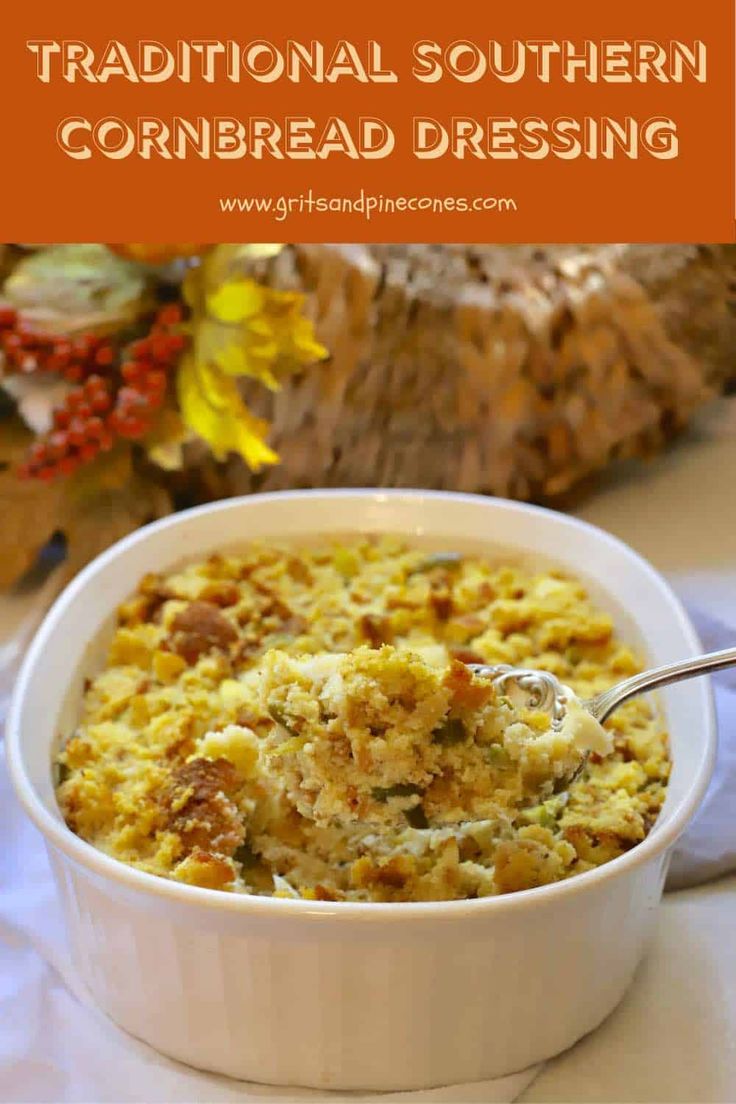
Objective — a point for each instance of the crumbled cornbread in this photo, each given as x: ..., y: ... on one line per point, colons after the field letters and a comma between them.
x: 182, y: 766
x: 381, y: 736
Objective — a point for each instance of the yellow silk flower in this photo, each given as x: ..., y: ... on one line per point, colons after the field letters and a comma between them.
x: 239, y: 328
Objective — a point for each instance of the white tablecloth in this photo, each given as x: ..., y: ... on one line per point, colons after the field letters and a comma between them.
x: 674, y: 1036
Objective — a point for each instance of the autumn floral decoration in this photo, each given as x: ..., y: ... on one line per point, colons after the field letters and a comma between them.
x: 137, y: 347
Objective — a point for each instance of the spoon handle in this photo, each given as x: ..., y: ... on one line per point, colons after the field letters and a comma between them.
x: 604, y: 704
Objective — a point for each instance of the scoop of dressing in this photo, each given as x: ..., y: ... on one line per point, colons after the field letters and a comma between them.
x: 382, y: 736
x: 582, y: 729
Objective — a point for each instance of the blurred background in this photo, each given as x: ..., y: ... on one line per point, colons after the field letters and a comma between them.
x: 139, y: 379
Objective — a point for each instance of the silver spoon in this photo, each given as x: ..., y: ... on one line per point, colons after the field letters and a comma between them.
x: 545, y: 691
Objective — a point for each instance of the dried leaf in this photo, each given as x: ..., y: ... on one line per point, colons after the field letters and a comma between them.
x: 244, y: 327
x: 92, y: 508
x: 233, y: 360
x: 67, y: 288
x: 239, y: 328
x: 235, y: 301
x: 36, y: 397
x: 95, y: 520
x: 165, y: 443
x: 110, y: 472
x: 212, y: 407
x: 28, y: 508
x: 250, y: 330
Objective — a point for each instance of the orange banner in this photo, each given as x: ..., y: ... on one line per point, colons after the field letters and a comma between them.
x: 524, y: 122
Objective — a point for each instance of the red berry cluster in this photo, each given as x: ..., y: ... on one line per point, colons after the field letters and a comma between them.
x: 74, y: 358
x: 145, y: 376
x: 79, y: 433
x: 106, y: 407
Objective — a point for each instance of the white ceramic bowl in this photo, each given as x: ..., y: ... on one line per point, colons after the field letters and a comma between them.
x: 349, y: 995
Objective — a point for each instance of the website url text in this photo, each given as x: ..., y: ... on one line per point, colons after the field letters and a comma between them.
x: 365, y: 204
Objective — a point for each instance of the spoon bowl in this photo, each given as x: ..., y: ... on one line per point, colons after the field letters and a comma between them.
x: 545, y: 691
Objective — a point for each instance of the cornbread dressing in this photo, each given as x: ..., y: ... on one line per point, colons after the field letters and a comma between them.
x: 382, y: 736
x: 219, y: 747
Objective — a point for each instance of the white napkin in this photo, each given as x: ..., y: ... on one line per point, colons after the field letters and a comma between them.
x: 708, y: 848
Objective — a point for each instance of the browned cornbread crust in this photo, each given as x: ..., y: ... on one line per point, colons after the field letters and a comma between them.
x: 172, y: 769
